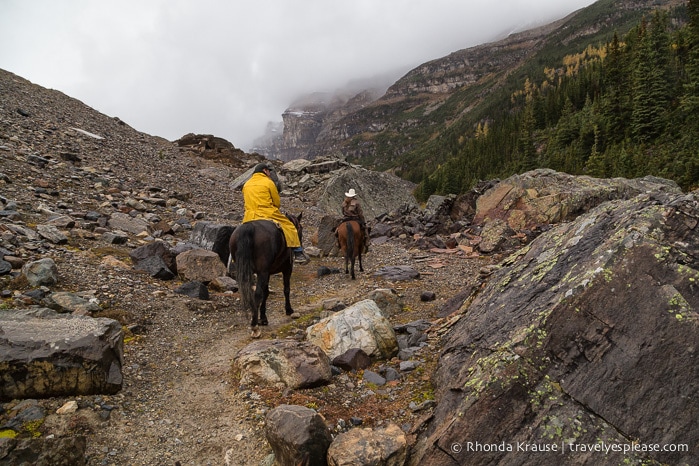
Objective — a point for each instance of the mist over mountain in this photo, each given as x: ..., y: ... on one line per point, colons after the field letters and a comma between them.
x: 426, y: 126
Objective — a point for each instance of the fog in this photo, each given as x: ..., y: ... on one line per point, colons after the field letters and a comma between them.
x: 171, y: 67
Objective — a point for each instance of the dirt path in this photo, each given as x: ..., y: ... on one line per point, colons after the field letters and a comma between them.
x: 180, y: 402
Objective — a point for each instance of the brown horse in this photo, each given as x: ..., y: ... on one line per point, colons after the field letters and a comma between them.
x: 259, y: 247
x: 350, y: 236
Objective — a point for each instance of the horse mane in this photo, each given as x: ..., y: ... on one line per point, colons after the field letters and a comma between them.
x: 297, y: 224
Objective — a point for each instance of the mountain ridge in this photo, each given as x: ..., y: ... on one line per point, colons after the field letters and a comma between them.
x: 397, y: 130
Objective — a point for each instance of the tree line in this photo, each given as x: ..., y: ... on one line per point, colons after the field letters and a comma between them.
x: 626, y: 108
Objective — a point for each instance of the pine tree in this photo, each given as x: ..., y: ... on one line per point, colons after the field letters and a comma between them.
x: 526, y: 148
x: 690, y: 97
x: 650, y: 88
x: 616, y: 102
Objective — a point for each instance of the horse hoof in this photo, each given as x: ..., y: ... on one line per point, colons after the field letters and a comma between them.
x: 294, y: 315
x: 264, y: 322
x: 255, y: 332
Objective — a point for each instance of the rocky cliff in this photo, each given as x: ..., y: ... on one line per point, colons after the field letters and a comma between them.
x: 377, y: 130
x: 584, y: 340
x: 310, y: 120
x: 321, y: 124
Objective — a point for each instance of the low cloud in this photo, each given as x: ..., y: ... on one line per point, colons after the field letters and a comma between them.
x: 170, y: 67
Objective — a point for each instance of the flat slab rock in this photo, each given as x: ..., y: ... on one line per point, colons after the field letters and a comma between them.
x: 45, y: 354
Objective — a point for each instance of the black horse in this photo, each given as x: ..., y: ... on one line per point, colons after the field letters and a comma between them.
x: 259, y: 247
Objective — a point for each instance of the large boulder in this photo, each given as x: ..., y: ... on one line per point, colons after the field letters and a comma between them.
x: 41, y: 272
x: 585, y: 339
x: 361, y: 325
x: 45, y: 354
x: 212, y: 236
x: 155, y: 258
x: 379, y: 193
x: 326, y: 239
x: 297, y: 435
x: 543, y: 196
x: 200, y: 265
x: 385, y: 446
x: 288, y: 362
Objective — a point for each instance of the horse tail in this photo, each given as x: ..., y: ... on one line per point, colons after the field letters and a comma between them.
x: 350, y: 240
x: 243, y: 264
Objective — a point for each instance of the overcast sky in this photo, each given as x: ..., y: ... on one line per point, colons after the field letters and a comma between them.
x: 227, y: 67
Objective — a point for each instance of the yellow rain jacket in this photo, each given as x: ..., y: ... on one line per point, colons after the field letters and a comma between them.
x: 262, y: 203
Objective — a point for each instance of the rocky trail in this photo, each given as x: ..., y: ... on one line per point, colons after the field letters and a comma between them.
x: 180, y: 401
x: 544, y: 309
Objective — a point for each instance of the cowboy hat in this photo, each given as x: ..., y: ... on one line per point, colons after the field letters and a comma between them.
x: 350, y: 193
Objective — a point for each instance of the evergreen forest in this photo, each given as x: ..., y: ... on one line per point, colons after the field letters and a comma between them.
x: 625, y: 108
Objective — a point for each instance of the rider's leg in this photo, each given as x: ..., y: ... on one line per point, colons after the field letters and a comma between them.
x: 300, y: 257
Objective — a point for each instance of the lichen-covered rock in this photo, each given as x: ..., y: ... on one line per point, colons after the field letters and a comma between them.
x: 44, y: 354
x: 587, y: 336
x: 542, y: 197
x: 495, y: 235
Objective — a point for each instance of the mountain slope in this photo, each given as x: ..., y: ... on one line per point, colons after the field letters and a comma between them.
x: 415, y: 125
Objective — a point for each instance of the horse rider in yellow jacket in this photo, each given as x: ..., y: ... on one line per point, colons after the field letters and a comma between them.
x: 262, y: 202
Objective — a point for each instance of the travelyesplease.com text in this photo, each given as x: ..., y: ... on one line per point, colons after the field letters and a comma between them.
x: 565, y: 447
